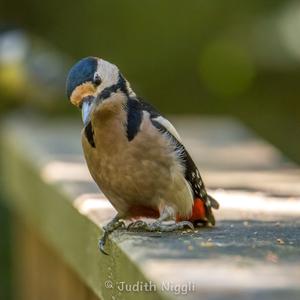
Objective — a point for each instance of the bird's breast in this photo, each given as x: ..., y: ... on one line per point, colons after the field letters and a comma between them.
x: 129, y: 172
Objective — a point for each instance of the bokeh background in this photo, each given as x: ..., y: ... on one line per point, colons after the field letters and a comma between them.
x: 233, y: 57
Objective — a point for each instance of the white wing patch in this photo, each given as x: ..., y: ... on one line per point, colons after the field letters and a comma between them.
x: 168, y: 125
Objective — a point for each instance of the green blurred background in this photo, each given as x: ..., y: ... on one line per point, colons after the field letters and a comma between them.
x: 208, y: 57
x: 239, y: 58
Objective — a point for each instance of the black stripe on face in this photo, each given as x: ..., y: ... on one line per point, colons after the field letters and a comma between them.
x: 89, y: 134
x: 121, y: 85
x: 134, y: 118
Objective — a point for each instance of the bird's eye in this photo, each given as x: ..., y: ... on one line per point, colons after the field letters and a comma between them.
x: 97, y: 79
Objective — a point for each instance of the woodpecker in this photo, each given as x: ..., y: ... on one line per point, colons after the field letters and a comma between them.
x: 135, y: 155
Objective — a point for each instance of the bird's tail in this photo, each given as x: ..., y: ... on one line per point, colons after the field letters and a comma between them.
x: 210, y: 203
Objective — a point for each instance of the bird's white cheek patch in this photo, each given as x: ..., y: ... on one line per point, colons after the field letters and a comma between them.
x: 83, y: 90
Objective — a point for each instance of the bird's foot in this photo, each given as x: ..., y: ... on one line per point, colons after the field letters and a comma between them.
x: 159, y: 226
x: 108, y: 229
x: 113, y: 225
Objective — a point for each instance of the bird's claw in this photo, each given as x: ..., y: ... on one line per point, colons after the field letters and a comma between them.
x: 136, y: 225
x: 158, y: 226
x: 185, y: 224
x: 102, y: 242
x: 141, y: 225
x: 108, y: 229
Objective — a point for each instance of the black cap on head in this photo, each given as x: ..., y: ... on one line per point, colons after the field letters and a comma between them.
x: 82, y: 71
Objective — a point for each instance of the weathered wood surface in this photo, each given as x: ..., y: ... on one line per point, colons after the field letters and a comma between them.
x: 253, y: 253
x: 39, y: 272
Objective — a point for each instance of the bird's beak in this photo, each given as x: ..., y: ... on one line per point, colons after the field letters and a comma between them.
x: 86, y: 109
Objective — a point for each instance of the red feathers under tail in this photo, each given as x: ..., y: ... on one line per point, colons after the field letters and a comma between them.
x: 200, y: 212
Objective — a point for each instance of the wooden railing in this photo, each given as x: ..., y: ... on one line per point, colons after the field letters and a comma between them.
x: 252, y: 253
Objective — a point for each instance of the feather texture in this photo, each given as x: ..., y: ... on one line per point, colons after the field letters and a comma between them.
x: 192, y: 174
x: 140, y: 160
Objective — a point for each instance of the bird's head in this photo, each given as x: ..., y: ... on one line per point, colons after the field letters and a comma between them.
x: 92, y: 80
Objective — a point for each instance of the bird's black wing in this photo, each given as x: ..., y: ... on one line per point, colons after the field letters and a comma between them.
x: 192, y: 174
x: 154, y: 113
